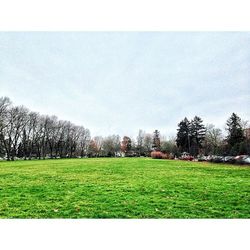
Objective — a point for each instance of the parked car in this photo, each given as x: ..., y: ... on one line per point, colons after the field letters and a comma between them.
x: 218, y: 159
x: 229, y: 159
x: 202, y: 158
x: 246, y: 160
x: 242, y: 159
x: 209, y: 158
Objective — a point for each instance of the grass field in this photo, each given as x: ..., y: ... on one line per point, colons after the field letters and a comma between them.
x: 123, y: 188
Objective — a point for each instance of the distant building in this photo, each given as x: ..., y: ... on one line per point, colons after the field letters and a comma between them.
x: 247, y: 133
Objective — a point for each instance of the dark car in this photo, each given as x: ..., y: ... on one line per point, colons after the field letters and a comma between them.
x: 202, y: 158
x: 229, y: 159
x: 218, y: 159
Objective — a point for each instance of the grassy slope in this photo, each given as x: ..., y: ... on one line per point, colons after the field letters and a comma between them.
x: 123, y: 188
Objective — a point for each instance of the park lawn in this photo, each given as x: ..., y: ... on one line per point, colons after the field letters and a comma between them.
x: 123, y: 188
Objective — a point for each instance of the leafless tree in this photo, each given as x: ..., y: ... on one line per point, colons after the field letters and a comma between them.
x: 148, y: 142
x: 140, y: 142
x: 16, y: 121
x: 4, y: 106
x: 213, y: 139
x: 83, y: 141
x: 111, y: 145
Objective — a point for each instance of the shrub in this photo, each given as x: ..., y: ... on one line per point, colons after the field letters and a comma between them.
x: 171, y: 156
x: 165, y: 156
x: 160, y: 155
x: 157, y: 155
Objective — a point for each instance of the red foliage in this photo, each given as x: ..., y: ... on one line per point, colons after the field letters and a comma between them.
x: 93, y: 147
x: 158, y: 155
x: 126, y: 144
x: 165, y: 156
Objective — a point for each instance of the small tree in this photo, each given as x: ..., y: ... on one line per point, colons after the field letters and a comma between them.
x: 169, y: 146
x: 126, y: 145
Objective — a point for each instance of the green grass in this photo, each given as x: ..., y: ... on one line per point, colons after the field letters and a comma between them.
x: 123, y: 188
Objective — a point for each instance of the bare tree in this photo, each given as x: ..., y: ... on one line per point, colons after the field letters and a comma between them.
x: 99, y: 144
x: 213, y: 139
x: 4, y: 106
x: 140, y: 142
x: 84, y: 141
x: 16, y: 121
x: 148, y: 143
x: 112, y: 145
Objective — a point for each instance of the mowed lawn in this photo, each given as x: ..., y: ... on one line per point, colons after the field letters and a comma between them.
x: 123, y: 188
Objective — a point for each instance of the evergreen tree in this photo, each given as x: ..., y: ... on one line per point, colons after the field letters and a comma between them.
x: 198, y: 133
x: 183, y: 135
x: 235, y: 131
x: 156, y: 141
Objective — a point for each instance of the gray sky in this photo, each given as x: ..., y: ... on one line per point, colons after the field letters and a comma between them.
x: 120, y: 82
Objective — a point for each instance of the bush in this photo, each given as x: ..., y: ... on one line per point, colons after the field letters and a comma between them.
x: 165, y: 156
x: 171, y: 156
x: 157, y: 155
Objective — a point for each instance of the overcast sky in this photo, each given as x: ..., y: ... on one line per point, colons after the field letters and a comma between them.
x: 120, y: 82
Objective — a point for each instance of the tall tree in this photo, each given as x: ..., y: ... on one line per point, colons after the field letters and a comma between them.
x: 5, y: 104
x: 156, y: 140
x: 16, y: 121
x: 213, y: 140
x: 147, y: 144
x: 27, y: 142
x: 235, y: 132
x: 117, y: 144
x: 139, y: 142
x: 183, y: 139
x: 84, y: 141
x: 198, y: 133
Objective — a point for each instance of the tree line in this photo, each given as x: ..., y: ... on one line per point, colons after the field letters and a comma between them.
x: 196, y: 138
x: 26, y: 134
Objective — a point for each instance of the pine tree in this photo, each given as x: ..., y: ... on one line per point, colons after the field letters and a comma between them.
x: 156, y: 140
x: 198, y: 133
x: 235, y: 130
x: 183, y: 135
